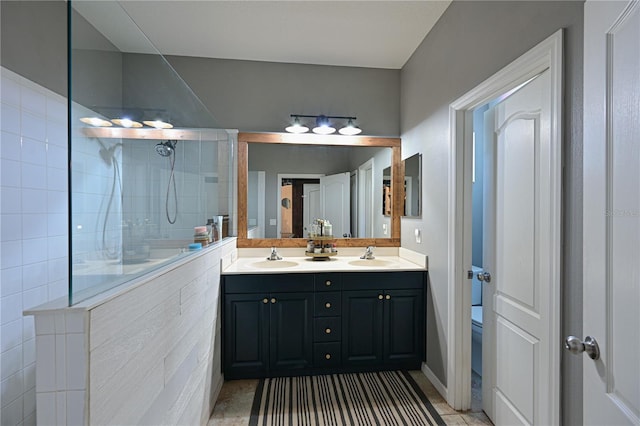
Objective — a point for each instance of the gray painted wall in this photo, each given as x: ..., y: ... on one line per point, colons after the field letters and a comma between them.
x: 34, y: 41
x: 260, y: 96
x: 472, y: 41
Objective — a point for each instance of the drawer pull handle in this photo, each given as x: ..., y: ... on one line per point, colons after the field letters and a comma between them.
x: 380, y: 297
x: 265, y: 300
x: 327, y: 356
x: 327, y: 305
x: 327, y: 283
x: 388, y: 297
x: 327, y: 331
x: 273, y: 300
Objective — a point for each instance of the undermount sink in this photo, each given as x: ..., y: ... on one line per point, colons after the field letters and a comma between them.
x: 274, y: 264
x: 371, y: 262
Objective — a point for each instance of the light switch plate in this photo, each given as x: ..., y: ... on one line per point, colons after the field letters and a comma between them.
x: 418, y: 235
x: 272, y: 222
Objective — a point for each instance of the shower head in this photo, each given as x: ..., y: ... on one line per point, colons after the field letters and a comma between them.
x: 166, y: 148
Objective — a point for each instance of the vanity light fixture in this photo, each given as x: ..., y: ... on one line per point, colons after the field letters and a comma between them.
x: 126, y: 122
x: 323, y: 125
x: 158, y: 124
x: 96, y: 122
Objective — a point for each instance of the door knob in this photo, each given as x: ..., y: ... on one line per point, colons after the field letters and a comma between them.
x: 484, y: 276
x: 576, y: 346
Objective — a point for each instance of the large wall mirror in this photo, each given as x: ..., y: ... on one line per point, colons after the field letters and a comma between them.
x: 285, y: 181
x: 412, y: 186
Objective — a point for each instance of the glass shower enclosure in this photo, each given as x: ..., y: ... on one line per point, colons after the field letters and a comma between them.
x: 148, y: 166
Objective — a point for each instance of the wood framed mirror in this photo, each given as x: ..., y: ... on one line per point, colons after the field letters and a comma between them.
x: 295, y: 141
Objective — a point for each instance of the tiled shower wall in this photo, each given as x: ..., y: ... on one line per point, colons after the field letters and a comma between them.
x: 33, y: 207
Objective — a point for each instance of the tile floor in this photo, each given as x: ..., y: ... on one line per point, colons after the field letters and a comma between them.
x: 233, y: 407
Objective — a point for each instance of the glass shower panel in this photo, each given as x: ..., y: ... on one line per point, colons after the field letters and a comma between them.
x: 147, y: 162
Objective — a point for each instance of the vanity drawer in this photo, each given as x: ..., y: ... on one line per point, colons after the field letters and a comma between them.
x: 326, y: 355
x: 328, y: 282
x: 327, y: 329
x: 327, y: 304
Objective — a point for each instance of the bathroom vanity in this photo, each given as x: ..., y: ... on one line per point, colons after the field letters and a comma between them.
x: 318, y: 318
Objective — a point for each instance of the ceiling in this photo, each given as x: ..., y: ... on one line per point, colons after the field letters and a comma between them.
x: 376, y: 34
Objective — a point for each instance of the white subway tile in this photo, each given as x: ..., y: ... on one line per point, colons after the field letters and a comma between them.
x: 60, y: 323
x: 11, y: 254
x: 10, y: 200
x: 33, y: 101
x: 75, y: 322
x: 34, y: 151
x: 58, y: 246
x: 28, y: 328
x: 61, y: 362
x: 12, y: 413
x: 11, y: 308
x: 34, y: 297
x: 61, y: 408
x: 10, y: 146
x: 45, y: 324
x: 12, y: 388
x: 33, y: 126
x: 29, y: 408
x: 58, y: 289
x: 30, y: 376
x: 34, y: 250
x: 34, y: 275
x: 57, y: 224
x: 75, y: 408
x: 56, y: 156
x: 11, y: 334
x: 11, y: 362
x: 30, y: 420
x: 29, y: 352
x: 56, y: 110
x: 34, y: 225
x: 11, y: 227
x: 10, y: 91
x: 76, y: 361
x: 57, y: 179
x: 58, y: 268
x: 33, y: 176
x: 11, y: 281
x: 10, y: 118
x: 34, y: 200
x: 57, y: 202
x: 45, y: 363
x: 46, y: 403
x: 11, y: 173
x: 57, y: 134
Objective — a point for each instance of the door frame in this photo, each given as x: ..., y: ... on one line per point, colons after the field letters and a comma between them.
x: 365, y: 209
x: 281, y: 176
x: 546, y: 55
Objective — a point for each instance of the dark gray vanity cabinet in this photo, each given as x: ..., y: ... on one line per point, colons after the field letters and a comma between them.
x: 267, y: 325
x: 384, y: 326
x: 313, y: 323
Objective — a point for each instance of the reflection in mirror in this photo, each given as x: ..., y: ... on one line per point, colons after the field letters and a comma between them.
x: 291, y: 185
x: 386, y: 191
x: 413, y: 189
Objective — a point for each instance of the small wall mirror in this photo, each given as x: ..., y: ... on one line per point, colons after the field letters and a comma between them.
x: 412, y: 186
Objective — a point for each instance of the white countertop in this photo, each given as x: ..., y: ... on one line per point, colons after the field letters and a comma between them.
x: 254, y: 261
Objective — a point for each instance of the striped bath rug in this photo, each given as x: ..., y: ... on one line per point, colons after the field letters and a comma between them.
x: 378, y: 398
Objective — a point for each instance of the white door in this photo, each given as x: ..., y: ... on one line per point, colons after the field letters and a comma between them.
x: 518, y: 253
x: 336, y: 202
x: 311, y: 207
x: 611, y: 212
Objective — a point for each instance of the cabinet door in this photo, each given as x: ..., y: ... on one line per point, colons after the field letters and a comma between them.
x: 291, y: 317
x: 246, y: 331
x: 362, y: 327
x: 403, y: 326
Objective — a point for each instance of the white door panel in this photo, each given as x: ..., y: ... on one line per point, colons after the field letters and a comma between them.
x: 311, y: 207
x: 519, y: 251
x: 611, y: 212
x: 336, y: 202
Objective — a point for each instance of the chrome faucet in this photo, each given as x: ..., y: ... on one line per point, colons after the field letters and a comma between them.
x: 368, y: 253
x: 274, y: 255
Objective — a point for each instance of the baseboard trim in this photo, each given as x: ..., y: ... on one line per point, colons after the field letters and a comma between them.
x: 442, y: 389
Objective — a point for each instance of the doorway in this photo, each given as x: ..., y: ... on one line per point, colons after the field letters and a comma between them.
x: 520, y: 241
x: 291, y: 205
